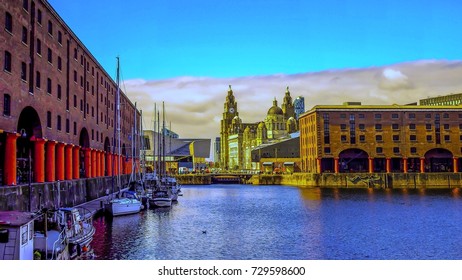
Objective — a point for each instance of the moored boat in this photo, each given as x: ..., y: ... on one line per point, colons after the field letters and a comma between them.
x: 127, y: 204
x: 46, y: 235
x: 160, y: 198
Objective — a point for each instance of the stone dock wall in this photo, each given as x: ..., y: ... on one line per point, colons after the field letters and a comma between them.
x: 57, y: 194
x: 363, y: 180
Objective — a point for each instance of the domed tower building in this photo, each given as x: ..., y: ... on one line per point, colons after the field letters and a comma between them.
x: 230, y: 112
x: 275, y: 122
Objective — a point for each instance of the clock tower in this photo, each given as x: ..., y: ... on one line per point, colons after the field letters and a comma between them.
x: 230, y: 111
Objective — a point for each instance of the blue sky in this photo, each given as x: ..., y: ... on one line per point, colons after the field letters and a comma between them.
x: 186, y: 53
x: 205, y: 38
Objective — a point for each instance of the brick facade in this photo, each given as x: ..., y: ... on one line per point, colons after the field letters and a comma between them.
x: 53, y: 88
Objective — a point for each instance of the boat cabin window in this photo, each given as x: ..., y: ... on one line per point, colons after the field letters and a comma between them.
x: 24, y: 234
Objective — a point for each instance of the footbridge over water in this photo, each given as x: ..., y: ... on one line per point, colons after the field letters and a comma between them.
x: 213, y: 178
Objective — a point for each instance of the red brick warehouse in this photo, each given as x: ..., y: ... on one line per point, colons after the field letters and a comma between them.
x: 59, y: 104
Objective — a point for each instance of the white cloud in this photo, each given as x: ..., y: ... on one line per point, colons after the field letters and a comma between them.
x: 194, y: 106
x: 392, y: 79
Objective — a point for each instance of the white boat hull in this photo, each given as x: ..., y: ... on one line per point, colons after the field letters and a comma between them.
x: 119, y: 207
x: 160, y: 202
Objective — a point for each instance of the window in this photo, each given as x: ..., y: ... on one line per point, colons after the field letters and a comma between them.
x: 413, y: 150
x: 412, y: 116
x: 378, y: 116
x: 75, y: 53
x: 81, y: 105
x: 75, y: 101
x: 446, y: 126
x: 362, y: 126
x: 395, y: 126
x: 60, y: 38
x: 460, y: 116
x: 60, y: 63
x: 39, y: 47
x: 447, y: 138
x: 59, y: 91
x: 428, y: 126
x: 6, y: 104
x: 39, y: 16
x: 59, y: 123
x: 23, y: 71
x: 7, y: 63
x: 68, y: 126
x: 396, y: 150
x: 49, y: 86
x: 445, y: 116
x: 413, y: 137
x: 379, y: 150
x: 412, y: 126
x: 50, y: 28
x: 342, y: 116
x: 326, y: 150
x: 394, y: 116
x: 8, y: 22
x: 396, y: 138
x: 50, y: 56
x: 92, y: 111
x: 362, y: 138
x: 92, y: 134
x: 25, y: 5
x: 343, y: 126
x: 429, y: 138
x: 428, y: 116
x: 378, y: 138
x: 343, y: 138
x: 75, y: 76
x: 49, y: 119
x: 24, y: 35
x: 75, y: 128
x: 361, y: 116
x: 37, y: 79
x: 378, y: 126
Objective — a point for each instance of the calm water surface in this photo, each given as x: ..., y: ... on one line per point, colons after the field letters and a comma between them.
x: 243, y: 222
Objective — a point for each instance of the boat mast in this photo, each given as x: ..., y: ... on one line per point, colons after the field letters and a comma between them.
x: 115, y: 128
x: 118, y: 124
x: 159, y: 148
x: 142, y: 156
x: 164, y: 167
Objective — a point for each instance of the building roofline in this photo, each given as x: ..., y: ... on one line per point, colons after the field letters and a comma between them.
x: 382, y: 108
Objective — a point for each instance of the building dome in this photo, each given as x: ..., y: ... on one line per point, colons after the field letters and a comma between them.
x: 275, y: 110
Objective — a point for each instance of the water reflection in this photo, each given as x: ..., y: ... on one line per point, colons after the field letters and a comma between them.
x: 275, y: 222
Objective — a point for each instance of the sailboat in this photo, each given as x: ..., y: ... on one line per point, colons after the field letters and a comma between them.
x: 161, y: 196
x: 126, y: 202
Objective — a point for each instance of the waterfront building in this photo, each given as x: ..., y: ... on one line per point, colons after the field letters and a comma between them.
x: 279, y: 156
x: 451, y: 99
x: 59, y: 105
x: 238, y: 139
x: 381, y: 138
x: 180, y: 153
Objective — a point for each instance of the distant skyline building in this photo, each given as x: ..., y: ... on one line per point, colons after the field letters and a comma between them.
x: 299, y: 105
x: 238, y: 139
